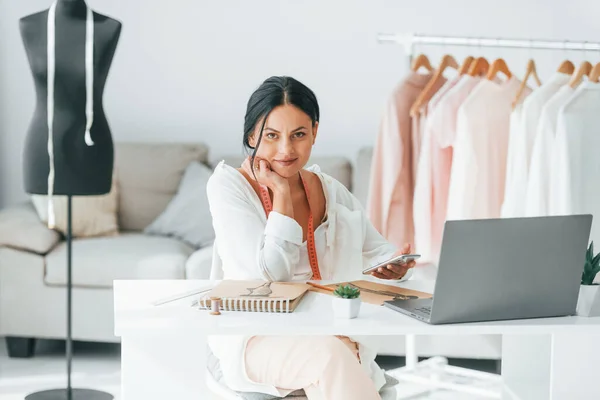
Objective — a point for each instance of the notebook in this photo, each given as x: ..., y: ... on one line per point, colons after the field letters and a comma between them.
x: 256, y: 296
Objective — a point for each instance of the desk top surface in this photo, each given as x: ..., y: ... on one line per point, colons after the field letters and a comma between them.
x: 135, y: 313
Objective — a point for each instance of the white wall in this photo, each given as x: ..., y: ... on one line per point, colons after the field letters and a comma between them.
x: 184, y: 69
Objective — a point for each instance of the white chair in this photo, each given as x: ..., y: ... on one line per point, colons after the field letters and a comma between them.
x: 222, y: 392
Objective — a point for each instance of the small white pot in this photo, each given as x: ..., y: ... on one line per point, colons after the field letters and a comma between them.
x: 588, y: 304
x: 346, y: 308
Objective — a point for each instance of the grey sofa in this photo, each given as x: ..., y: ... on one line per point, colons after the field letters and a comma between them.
x: 33, y: 266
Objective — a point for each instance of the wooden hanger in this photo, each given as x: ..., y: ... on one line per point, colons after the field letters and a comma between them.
x: 464, y: 68
x: 584, y: 70
x: 531, y: 71
x: 566, y: 67
x: 479, y: 67
x: 499, y: 65
x: 447, y: 61
x: 421, y: 61
x: 595, y: 74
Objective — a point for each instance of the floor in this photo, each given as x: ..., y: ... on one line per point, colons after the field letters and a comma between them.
x: 97, y: 366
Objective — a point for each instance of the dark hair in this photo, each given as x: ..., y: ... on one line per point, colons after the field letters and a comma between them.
x: 274, y: 92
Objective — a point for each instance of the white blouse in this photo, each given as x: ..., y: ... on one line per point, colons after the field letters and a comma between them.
x: 249, y: 245
x: 524, y: 140
x: 538, y: 184
x: 575, y: 162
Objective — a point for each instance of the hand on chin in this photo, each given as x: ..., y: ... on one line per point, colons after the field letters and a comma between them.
x: 263, y: 172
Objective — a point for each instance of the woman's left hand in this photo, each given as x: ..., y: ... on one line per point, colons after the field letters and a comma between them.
x: 395, y: 271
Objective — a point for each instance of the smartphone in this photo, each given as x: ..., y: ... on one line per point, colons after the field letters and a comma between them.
x: 399, y: 260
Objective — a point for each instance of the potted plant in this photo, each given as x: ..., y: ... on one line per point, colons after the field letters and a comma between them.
x: 346, y: 301
x: 588, y: 304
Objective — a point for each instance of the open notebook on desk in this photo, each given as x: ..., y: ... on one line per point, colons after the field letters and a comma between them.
x: 255, y: 296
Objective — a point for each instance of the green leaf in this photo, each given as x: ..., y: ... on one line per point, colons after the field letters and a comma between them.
x: 586, y: 279
x: 591, y: 267
x: 347, y: 292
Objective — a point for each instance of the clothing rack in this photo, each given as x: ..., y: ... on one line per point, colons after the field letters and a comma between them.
x: 435, y: 373
x: 408, y: 40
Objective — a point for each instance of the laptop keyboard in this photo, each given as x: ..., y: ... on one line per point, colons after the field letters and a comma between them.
x: 424, y: 310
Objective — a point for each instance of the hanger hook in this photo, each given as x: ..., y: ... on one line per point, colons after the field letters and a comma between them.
x: 531, y: 48
x: 498, y: 45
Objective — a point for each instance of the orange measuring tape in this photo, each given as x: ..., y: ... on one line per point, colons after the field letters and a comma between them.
x: 312, y: 251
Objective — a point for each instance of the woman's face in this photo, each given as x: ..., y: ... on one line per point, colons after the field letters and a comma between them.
x: 287, y: 140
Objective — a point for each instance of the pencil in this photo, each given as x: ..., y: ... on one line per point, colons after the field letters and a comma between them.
x: 321, y: 286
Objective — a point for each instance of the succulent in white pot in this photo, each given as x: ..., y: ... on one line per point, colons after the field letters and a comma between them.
x: 346, y: 301
x: 588, y: 304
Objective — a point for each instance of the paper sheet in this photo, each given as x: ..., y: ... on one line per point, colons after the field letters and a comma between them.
x: 377, y: 293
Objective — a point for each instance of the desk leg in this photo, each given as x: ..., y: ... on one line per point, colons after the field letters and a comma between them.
x: 163, y: 367
x: 551, y: 367
x: 526, y: 367
x: 574, y: 367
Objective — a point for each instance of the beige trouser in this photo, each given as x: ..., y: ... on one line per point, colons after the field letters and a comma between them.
x: 326, y: 367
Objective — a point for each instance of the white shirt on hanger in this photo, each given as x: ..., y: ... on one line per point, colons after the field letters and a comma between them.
x: 479, y: 161
x: 538, y: 185
x: 576, y: 166
x: 511, y: 196
x: 249, y: 245
x: 523, y: 142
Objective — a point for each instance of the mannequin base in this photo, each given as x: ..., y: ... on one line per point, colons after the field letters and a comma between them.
x: 76, y: 394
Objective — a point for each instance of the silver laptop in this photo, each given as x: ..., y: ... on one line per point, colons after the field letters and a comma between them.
x: 509, y: 268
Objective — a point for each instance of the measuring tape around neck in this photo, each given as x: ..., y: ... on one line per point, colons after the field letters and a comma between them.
x: 310, y: 236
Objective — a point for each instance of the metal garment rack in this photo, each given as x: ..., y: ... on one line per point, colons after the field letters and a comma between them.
x: 437, y: 366
x: 409, y: 40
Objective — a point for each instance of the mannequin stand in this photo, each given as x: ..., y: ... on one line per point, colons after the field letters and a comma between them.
x: 69, y: 393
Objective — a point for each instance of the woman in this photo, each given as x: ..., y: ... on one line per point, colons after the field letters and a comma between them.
x: 268, y: 216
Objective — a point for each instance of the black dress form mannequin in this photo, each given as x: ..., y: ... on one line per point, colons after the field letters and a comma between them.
x: 79, y: 169
x: 82, y: 165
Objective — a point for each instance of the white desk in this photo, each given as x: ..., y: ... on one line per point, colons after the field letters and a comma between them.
x: 164, y: 347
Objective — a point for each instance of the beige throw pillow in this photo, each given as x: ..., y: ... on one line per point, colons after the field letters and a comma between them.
x: 92, y: 215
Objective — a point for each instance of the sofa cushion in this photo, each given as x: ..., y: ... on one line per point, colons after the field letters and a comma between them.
x: 187, y: 217
x: 92, y: 215
x: 199, y: 264
x: 339, y: 168
x: 149, y: 175
x: 21, y: 228
x: 97, y: 262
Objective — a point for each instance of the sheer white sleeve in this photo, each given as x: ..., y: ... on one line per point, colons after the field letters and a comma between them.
x: 248, y: 248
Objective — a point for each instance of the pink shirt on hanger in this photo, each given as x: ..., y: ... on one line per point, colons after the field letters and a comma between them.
x: 391, y: 187
x: 418, y: 127
x: 478, y: 171
x: 422, y: 204
x: 442, y: 125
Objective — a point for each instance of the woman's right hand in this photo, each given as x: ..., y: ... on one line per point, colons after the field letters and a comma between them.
x: 263, y: 174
